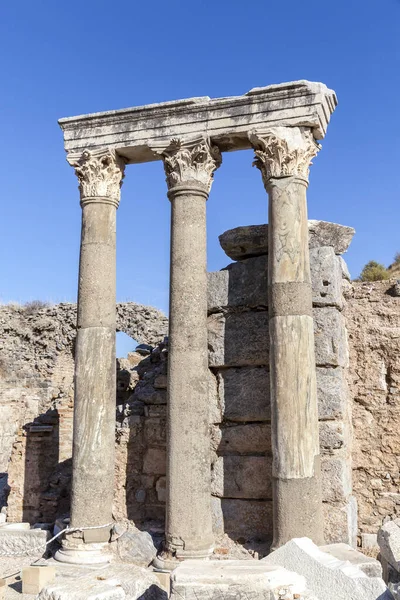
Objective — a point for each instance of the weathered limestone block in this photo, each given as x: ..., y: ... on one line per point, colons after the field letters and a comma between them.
x: 154, y: 461
x: 333, y: 435
x: 155, y: 432
x: 326, y: 277
x: 332, y: 393
x: 252, y: 240
x: 327, y: 577
x: 250, y: 438
x: 23, y: 541
x: 115, y: 582
x: 238, y: 339
x: 242, y: 477
x: 330, y: 337
x: 35, y: 578
x: 340, y: 522
x: 234, y: 580
x: 370, y: 566
x: 389, y: 543
x: 242, y: 519
x: 240, y: 284
x: 336, y: 479
x: 147, y: 393
x: 136, y: 547
x: 325, y: 233
x: 244, y: 394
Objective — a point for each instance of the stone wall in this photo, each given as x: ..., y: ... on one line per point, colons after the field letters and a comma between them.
x: 239, y: 349
x: 36, y: 401
x: 373, y: 321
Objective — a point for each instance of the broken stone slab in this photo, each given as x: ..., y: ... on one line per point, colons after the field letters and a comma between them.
x: 252, y: 240
x: 234, y: 580
x: 327, y: 577
x: 370, y: 566
x: 136, y: 547
x: 115, y: 582
x: 389, y: 543
x: 23, y: 542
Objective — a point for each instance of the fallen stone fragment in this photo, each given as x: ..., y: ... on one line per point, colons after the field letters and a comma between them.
x: 116, y: 582
x: 23, y: 542
x: 370, y: 566
x: 234, y: 580
x: 136, y: 547
x: 389, y: 543
x: 327, y: 577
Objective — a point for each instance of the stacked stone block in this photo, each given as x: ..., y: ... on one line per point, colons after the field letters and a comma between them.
x: 238, y: 358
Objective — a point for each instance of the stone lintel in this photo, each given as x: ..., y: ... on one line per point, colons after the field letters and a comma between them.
x: 227, y: 121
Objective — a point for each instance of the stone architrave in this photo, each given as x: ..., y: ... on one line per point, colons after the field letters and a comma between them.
x: 100, y: 175
x: 283, y: 156
x: 189, y: 169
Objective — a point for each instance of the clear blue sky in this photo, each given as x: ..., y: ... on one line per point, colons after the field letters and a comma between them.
x: 61, y: 58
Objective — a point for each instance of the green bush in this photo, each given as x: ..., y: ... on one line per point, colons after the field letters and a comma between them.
x: 374, y: 271
x: 396, y: 259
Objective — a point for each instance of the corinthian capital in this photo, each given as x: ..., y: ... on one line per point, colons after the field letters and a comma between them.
x: 283, y: 152
x: 190, y: 162
x: 100, y: 174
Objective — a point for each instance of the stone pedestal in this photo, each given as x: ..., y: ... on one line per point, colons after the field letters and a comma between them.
x: 100, y: 176
x: 283, y: 156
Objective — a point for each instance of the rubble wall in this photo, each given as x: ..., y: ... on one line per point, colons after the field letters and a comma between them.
x: 373, y: 321
x: 36, y: 401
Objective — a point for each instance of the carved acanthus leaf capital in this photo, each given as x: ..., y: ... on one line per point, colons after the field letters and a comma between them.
x: 189, y: 162
x: 100, y: 174
x: 283, y: 152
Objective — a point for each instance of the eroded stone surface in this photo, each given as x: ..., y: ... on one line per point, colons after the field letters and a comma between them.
x: 252, y: 240
x: 116, y: 582
x: 370, y: 566
x: 234, y: 580
x: 22, y: 542
x: 389, y: 543
x: 136, y: 547
x: 327, y: 577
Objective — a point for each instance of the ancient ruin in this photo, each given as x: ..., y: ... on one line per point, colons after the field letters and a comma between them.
x: 243, y: 422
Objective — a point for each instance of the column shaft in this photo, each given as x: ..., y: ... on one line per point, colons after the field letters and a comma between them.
x: 283, y: 156
x: 100, y: 174
x: 188, y: 517
x: 297, y: 499
x: 95, y: 378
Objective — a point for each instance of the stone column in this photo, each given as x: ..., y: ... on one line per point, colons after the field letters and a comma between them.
x: 100, y: 175
x: 189, y: 169
x: 283, y: 156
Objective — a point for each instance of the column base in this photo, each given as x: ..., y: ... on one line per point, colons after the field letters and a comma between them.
x: 297, y: 510
x: 86, y: 554
x: 167, y: 561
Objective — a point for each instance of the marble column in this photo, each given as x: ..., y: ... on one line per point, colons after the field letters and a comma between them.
x: 189, y: 169
x: 283, y: 156
x: 100, y: 175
